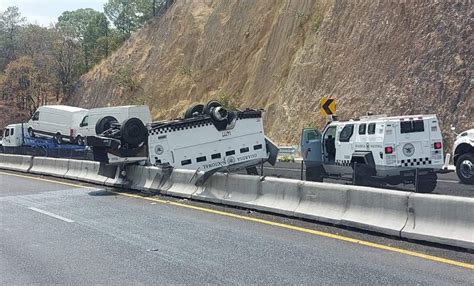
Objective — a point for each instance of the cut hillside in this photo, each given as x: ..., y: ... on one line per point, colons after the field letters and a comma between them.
x: 283, y: 56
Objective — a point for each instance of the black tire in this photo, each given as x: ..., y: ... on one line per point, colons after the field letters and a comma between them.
x: 252, y: 171
x: 80, y: 140
x: 465, y: 168
x: 194, y: 110
x: 314, y: 174
x: 58, y: 139
x: 363, y: 175
x: 104, y: 124
x: 210, y: 105
x: 427, y: 183
x: 31, y: 133
x: 133, y: 132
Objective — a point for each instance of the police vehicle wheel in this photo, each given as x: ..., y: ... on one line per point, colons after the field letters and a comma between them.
x: 193, y: 111
x: 133, y: 132
x: 31, y: 132
x: 58, y: 139
x: 104, y: 124
x: 314, y: 174
x: 465, y: 168
x: 427, y: 183
x: 210, y: 105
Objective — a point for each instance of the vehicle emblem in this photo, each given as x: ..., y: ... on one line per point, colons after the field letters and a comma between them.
x: 408, y: 149
x: 159, y: 149
x: 230, y: 160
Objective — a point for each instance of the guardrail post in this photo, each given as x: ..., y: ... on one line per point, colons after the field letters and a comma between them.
x: 416, y: 180
x: 301, y: 170
x: 261, y: 168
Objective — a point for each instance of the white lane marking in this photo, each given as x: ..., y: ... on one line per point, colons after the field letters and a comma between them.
x: 447, y: 181
x: 51, y: 214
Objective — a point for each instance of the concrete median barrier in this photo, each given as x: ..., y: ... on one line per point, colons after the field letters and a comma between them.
x: 50, y: 166
x: 74, y: 170
x: 441, y: 219
x: 181, y: 184
x: 95, y: 172
x: 278, y: 195
x: 148, y: 179
x: 377, y: 210
x: 242, y: 190
x: 214, y: 189
x: 16, y: 162
x: 322, y: 202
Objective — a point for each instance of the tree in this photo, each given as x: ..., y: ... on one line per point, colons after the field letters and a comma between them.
x: 10, y: 25
x: 66, y: 53
x: 124, y: 14
x: 96, y: 44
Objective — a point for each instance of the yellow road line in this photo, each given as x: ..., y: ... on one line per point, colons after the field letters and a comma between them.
x: 48, y: 180
x: 276, y: 224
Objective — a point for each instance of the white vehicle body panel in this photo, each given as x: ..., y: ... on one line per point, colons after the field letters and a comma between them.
x: 200, y: 146
x: 121, y: 113
x: 49, y: 120
x: 13, y: 135
x: 411, y: 138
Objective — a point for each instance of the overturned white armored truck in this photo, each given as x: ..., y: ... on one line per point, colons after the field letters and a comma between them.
x: 209, y: 138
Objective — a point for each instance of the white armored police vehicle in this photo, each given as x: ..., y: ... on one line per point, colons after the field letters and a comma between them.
x: 464, y: 156
x: 209, y: 138
x: 376, y: 150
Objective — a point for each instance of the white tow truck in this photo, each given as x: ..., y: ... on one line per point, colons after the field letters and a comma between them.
x: 376, y: 150
x: 464, y: 156
x: 209, y: 138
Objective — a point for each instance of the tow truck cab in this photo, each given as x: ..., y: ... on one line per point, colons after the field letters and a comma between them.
x: 384, y: 148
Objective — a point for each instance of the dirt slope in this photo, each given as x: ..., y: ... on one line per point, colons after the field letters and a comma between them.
x: 379, y: 56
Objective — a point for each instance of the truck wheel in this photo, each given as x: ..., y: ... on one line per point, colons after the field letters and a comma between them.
x: 31, y: 133
x: 80, y: 141
x: 133, y: 132
x: 465, y: 168
x: 58, y: 139
x: 104, y: 124
x: 210, y: 105
x: 193, y: 111
x: 314, y: 174
x: 427, y: 183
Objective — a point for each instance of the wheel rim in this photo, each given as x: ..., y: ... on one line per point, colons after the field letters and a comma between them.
x: 467, y: 170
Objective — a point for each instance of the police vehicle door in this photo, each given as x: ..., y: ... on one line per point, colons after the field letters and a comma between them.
x: 311, y: 147
x: 345, y: 147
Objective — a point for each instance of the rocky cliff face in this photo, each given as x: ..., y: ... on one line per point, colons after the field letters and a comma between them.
x: 390, y: 57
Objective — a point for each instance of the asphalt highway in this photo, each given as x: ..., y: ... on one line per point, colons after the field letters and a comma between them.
x: 448, y: 184
x: 57, y: 232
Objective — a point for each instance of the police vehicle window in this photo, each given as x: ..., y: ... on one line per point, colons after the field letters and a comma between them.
x: 36, y: 116
x: 230, y: 153
x: 313, y: 135
x: 362, y: 128
x: 257, y: 147
x: 244, y: 150
x: 185, y: 162
x: 216, y: 156
x: 412, y: 126
x: 418, y: 126
x: 201, y: 159
x: 346, y: 133
x: 371, y: 128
